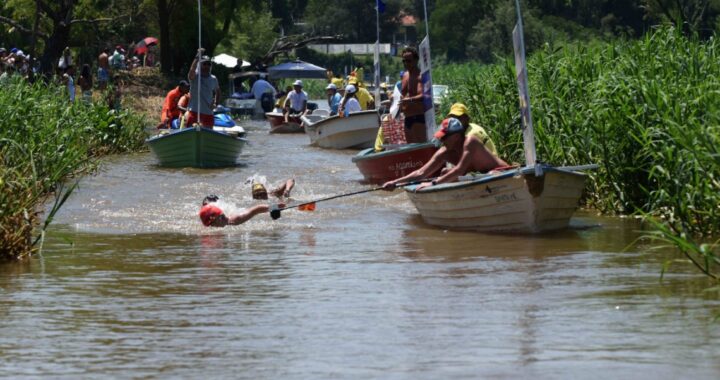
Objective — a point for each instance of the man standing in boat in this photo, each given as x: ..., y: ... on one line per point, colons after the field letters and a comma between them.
x: 411, y: 102
x: 209, y: 93
x: 465, y: 145
x: 296, y: 102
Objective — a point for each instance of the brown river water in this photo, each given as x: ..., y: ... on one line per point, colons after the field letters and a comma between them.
x: 131, y: 285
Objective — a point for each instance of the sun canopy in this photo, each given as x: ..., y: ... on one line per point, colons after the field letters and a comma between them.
x: 228, y: 60
x: 297, y: 69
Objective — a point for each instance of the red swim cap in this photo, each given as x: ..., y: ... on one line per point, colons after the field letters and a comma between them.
x: 209, y: 213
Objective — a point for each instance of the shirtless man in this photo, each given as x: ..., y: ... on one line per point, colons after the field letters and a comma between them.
x: 103, y: 69
x: 465, y: 145
x: 411, y: 102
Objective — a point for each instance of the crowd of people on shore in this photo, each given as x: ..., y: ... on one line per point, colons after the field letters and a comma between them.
x: 107, y: 79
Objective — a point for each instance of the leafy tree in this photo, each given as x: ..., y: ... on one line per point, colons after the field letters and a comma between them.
x: 252, y: 33
x: 450, y: 23
x: 354, y: 19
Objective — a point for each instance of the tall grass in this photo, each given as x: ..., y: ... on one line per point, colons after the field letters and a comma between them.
x: 44, y: 142
x: 647, y: 111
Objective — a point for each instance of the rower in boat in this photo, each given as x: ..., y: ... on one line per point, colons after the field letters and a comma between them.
x: 466, y: 146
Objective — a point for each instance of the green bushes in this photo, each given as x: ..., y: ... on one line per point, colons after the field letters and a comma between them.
x: 43, y: 142
x: 647, y: 111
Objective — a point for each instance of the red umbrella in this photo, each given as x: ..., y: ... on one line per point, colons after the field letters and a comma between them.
x: 142, y: 46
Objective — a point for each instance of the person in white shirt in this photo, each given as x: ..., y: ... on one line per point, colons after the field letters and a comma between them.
x: 296, y: 101
x: 350, y: 103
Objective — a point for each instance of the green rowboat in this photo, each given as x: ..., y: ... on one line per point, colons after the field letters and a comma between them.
x: 196, y: 147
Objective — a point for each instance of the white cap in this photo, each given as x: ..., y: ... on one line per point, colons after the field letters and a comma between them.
x: 331, y: 86
x: 350, y: 89
x: 298, y: 83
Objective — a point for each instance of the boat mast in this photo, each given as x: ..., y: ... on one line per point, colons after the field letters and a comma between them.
x: 198, y: 71
x: 524, y: 92
x: 376, y: 56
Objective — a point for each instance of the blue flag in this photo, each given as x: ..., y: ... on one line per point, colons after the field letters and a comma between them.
x: 380, y: 6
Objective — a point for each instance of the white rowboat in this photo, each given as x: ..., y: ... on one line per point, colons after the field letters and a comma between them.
x: 516, y: 201
x: 358, y: 130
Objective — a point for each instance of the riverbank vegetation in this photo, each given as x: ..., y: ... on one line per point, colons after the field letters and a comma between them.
x: 45, y: 142
x: 647, y: 111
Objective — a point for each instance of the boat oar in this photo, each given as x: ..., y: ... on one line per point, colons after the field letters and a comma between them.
x: 310, y: 206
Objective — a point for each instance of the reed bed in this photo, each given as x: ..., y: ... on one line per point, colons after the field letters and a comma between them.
x: 44, y: 143
x: 647, y: 111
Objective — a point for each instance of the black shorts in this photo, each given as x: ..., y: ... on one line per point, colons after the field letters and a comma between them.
x: 415, y: 119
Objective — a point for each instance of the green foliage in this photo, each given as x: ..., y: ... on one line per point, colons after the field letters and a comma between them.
x: 355, y: 20
x: 251, y: 35
x: 646, y: 111
x: 46, y: 141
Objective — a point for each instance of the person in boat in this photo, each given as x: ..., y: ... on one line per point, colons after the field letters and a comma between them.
x: 465, y: 145
x: 212, y: 215
x: 296, y: 102
x: 333, y: 98
x: 261, y: 87
x: 281, y: 97
x: 351, y: 103
x: 171, y: 110
x: 209, y: 94
x: 411, y: 102
x: 367, y: 102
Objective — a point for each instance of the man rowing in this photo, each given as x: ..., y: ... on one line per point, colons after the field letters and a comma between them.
x: 465, y: 145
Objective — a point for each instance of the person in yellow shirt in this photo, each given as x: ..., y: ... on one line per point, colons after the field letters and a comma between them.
x: 465, y: 145
x: 367, y: 102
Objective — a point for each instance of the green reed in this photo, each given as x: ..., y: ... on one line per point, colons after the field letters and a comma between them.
x: 647, y: 111
x: 45, y: 142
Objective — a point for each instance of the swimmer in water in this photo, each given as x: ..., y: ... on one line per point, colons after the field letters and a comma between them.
x: 212, y: 215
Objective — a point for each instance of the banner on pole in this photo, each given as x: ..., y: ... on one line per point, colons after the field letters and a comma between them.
x: 426, y: 77
x: 377, y: 74
x: 524, y: 96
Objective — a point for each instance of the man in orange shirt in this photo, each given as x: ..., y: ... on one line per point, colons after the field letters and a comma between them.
x: 170, y: 110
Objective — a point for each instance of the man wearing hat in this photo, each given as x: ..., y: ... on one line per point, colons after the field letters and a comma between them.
x: 171, y: 110
x: 333, y: 98
x: 212, y: 213
x: 204, y: 92
x: 296, y: 101
x: 367, y: 102
x: 465, y: 145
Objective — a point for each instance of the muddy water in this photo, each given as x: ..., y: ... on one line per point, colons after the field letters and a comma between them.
x: 130, y: 285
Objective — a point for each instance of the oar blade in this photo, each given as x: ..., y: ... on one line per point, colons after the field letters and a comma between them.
x: 307, y: 207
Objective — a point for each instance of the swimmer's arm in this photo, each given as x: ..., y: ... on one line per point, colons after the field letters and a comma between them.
x: 247, y: 214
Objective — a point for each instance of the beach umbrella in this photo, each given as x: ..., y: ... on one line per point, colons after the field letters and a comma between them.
x: 228, y: 61
x: 142, y: 46
x: 297, y: 69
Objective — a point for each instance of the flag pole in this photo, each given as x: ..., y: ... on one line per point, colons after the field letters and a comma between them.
x: 376, y: 62
x: 198, y: 70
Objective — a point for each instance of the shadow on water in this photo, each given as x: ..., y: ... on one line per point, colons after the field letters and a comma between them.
x: 424, y: 242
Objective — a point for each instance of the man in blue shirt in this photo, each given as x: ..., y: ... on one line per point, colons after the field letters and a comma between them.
x: 333, y: 98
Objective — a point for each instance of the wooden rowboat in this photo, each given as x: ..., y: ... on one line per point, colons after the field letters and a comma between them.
x: 514, y: 201
x: 380, y: 167
x: 278, y: 124
x: 196, y: 147
x: 358, y: 130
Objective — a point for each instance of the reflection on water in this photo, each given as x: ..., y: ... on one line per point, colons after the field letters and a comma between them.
x: 131, y: 285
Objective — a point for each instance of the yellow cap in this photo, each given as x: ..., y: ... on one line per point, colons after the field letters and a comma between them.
x: 352, y: 80
x: 258, y: 191
x: 457, y: 109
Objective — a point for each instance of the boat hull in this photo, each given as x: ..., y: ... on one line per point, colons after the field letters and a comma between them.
x: 196, y: 147
x: 515, y: 201
x: 380, y: 167
x: 356, y: 131
x: 278, y: 124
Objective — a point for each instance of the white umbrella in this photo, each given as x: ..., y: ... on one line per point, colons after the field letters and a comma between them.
x: 228, y: 60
